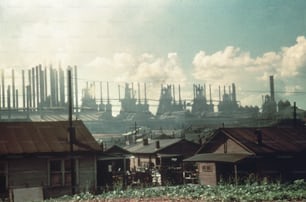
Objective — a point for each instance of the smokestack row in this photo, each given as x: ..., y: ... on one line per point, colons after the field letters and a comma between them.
x: 35, y: 86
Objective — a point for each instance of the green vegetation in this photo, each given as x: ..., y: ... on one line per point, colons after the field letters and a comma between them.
x: 228, y: 192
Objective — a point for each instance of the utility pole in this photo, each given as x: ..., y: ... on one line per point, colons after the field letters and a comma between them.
x: 71, y: 134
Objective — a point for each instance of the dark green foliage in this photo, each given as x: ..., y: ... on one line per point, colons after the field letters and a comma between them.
x: 227, y: 192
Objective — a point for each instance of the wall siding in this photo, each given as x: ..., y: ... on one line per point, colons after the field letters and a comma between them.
x: 232, y: 147
x: 30, y: 172
x: 87, y: 174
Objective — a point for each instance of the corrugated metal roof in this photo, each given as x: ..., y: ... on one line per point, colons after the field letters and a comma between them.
x: 43, y: 137
x: 217, y: 157
x: 151, y: 147
x: 274, y: 140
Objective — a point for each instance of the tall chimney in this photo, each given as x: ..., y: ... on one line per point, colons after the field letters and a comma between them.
x: 234, y: 92
x: 42, y: 85
x: 62, y: 86
x: 272, y: 88
x: 33, y: 88
x: 145, y: 93
x: 119, y: 92
x: 23, y: 91
x: 139, y: 102
x: 9, y: 101
x: 180, y: 98
x: 37, y: 87
x: 46, y: 83
x: 3, y: 88
x: 157, y: 144
x: 108, y: 94
x: 29, y: 94
x: 13, y: 88
x: 173, y: 94
x: 210, y: 94
x: 204, y: 93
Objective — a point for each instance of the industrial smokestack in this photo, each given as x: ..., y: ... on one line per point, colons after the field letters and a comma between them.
x: 101, y: 93
x: 173, y: 94
x: 210, y: 98
x: 194, y: 91
x: 62, y: 86
x: 37, y: 87
x: 23, y: 91
x: 42, y: 85
x: 139, y: 102
x: 108, y: 94
x: 29, y: 94
x: 33, y: 88
x: 234, y: 92
x: 204, y: 93
x: 46, y: 83
x: 145, y: 93
x: 9, y: 101
x: 180, y: 98
x: 119, y: 92
x: 272, y: 88
x: 219, y: 94
x: 13, y: 88
x: 3, y: 89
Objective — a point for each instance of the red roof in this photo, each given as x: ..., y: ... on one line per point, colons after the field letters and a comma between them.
x: 274, y: 139
x: 44, y: 137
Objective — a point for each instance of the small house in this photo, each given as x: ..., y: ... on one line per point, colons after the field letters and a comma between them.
x: 164, y: 155
x: 41, y: 154
x: 236, y: 154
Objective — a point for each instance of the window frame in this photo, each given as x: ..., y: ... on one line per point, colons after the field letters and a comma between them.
x: 63, y: 172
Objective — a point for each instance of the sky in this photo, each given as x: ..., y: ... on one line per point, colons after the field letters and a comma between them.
x: 185, y: 42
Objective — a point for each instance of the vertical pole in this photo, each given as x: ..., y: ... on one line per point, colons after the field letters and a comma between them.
x: 236, y: 176
x: 76, y: 89
x: 294, y: 114
x: 71, y: 134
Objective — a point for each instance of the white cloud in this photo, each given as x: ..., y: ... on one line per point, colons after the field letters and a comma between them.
x: 124, y: 67
x: 234, y: 65
x: 294, y: 58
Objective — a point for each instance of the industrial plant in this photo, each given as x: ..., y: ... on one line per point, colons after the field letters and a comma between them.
x: 42, y: 96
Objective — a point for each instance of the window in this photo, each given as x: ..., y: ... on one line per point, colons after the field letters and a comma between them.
x: 206, y: 168
x: 60, y: 172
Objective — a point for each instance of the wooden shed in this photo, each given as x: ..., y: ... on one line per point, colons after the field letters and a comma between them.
x: 37, y: 154
x: 236, y: 154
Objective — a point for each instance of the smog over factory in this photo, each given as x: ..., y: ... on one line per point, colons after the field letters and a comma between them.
x: 157, y: 63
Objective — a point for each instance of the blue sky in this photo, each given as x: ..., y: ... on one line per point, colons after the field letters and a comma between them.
x: 216, y: 42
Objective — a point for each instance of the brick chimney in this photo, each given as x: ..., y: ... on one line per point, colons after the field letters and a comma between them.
x: 157, y: 144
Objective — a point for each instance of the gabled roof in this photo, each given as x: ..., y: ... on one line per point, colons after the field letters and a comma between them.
x: 217, y: 157
x: 44, y: 137
x: 274, y: 139
x: 140, y: 148
x: 115, y: 149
